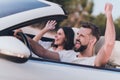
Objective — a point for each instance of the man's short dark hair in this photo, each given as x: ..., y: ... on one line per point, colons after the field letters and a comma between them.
x: 95, y: 30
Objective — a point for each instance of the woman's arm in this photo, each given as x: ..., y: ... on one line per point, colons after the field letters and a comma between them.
x: 49, y: 26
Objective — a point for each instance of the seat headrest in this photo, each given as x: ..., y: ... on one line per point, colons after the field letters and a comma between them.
x: 99, y: 44
x: 115, y: 56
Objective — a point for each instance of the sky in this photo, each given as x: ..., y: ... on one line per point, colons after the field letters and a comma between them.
x: 99, y: 7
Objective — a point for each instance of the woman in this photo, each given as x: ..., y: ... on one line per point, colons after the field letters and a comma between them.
x: 64, y: 38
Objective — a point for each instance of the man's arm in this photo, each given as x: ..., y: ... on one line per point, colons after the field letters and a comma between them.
x: 42, y: 52
x: 106, y: 51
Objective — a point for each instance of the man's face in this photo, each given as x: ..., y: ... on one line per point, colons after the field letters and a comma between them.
x: 82, y: 39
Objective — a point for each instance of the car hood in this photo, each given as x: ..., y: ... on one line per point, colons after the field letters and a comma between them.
x: 18, y: 13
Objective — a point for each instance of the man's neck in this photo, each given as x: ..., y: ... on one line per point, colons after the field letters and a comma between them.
x: 88, y: 52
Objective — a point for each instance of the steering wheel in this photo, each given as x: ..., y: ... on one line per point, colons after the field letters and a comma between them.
x: 23, y: 37
x: 21, y: 34
x: 25, y: 41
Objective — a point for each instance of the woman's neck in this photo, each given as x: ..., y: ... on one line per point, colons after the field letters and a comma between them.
x: 59, y: 48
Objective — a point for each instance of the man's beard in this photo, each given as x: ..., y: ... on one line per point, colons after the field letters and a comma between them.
x: 81, y: 49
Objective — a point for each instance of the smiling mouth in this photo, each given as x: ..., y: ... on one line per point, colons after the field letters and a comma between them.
x: 78, y: 42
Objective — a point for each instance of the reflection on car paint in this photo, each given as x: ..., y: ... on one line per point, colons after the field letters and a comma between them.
x: 15, y: 6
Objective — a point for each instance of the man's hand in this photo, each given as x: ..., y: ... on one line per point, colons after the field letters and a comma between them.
x: 16, y: 31
x: 108, y: 8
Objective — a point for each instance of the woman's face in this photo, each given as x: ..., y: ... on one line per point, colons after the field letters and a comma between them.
x: 59, y: 37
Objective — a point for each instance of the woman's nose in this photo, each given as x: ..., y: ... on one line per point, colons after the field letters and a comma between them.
x: 55, y: 36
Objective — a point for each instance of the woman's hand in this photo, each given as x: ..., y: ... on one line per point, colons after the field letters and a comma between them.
x: 50, y: 25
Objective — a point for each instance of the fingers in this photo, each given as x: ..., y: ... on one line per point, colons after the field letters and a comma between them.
x: 50, y: 25
x: 16, y: 31
x: 105, y: 6
x: 108, y: 8
x: 52, y: 22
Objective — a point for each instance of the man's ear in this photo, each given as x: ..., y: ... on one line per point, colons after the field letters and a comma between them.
x: 93, y: 40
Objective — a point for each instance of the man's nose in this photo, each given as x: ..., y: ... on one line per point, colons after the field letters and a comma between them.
x: 78, y: 36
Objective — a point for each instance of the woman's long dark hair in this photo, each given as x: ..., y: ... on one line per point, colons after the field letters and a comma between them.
x: 69, y: 38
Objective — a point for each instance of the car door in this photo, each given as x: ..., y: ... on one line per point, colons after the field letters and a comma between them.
x: 39, y: 69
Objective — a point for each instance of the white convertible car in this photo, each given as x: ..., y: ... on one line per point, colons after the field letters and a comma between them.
x: 16, y: 58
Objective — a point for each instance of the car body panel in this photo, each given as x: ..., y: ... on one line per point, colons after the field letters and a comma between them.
x: 13, y: 47
x: 44, y: 70
x: 29, y: 14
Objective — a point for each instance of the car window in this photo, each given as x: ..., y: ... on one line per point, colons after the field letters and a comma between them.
x: 9, y: 7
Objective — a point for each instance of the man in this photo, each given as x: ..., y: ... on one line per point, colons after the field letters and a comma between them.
x: 87, y: 36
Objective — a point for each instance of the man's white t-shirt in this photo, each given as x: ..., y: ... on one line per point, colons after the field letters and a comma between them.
x: 85, y: 60
x: 69, y: 55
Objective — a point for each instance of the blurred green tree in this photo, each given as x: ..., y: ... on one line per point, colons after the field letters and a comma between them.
x: 100, y: 21
x: 78, y: 10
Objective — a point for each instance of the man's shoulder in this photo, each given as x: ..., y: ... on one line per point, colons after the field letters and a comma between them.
x: 84, y: 60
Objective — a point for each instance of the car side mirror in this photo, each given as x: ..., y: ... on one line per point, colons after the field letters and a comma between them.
x: 13, y: 49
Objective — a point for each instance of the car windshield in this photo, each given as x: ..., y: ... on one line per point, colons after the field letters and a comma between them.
x: 9, y: 7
